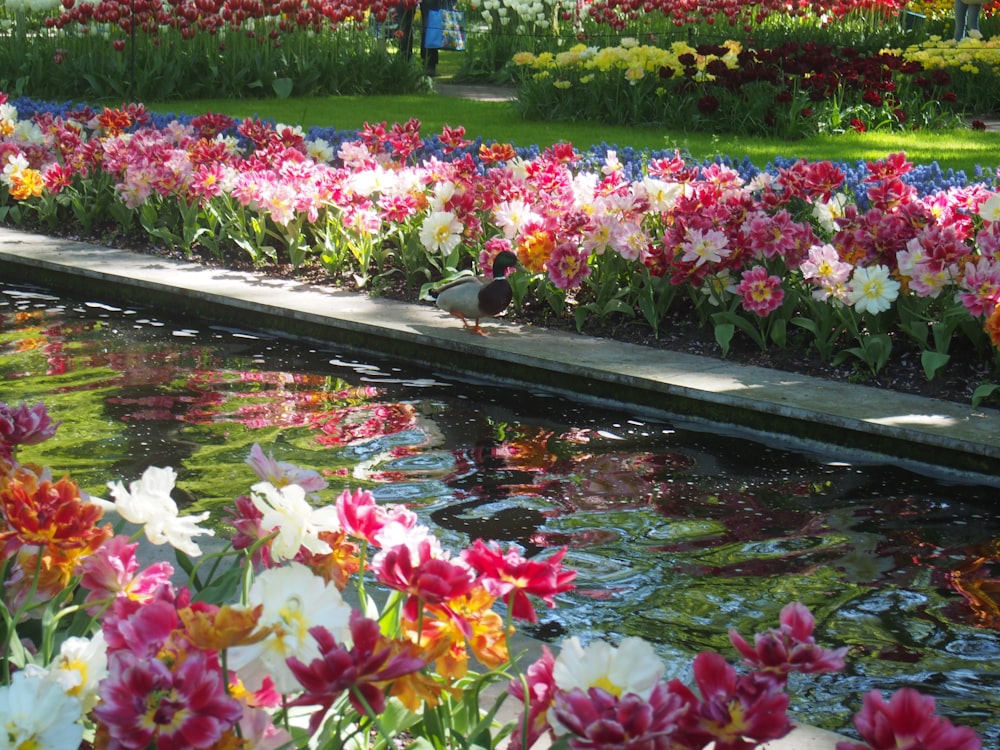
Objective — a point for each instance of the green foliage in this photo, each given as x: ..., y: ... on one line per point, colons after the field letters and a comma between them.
x: 70, y: 63
x: 984, y: 392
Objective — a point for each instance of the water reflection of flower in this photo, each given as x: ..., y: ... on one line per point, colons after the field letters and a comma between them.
x: 350, y: 424
x: 977, y: 580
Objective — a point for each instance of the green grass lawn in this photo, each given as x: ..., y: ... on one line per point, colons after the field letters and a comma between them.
x: 499, y: 121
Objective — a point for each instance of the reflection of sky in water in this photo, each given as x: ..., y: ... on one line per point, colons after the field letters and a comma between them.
x: 678, y: 535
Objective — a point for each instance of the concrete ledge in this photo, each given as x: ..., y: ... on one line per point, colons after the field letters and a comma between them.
x: 765, y: 404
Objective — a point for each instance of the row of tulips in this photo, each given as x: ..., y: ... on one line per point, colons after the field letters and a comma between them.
x: 847, y: 261
x: 258, y: 648
x: 793, y: 89
x: 123, y: 49
x: 213, y: 15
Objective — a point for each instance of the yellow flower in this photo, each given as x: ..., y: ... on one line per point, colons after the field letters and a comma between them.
x: 562, y: 84
x: 634, y: 74
x: 534, y: 249
x: 27, y: 183
x: 545, y: 60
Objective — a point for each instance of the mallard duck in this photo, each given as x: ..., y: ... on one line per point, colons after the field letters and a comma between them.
x: 478, y: 297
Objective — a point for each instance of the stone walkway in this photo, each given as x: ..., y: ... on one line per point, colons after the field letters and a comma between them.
x: 477, y: 92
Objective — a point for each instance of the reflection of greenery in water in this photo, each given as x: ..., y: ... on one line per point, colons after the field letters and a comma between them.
x: 677, y: 535
x: 131, y: 393
x: 31, y: 369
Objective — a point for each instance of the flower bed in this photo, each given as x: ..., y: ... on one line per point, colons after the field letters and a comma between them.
x: 253, y: 644
x: 791, y: 90
x: 845, y: 261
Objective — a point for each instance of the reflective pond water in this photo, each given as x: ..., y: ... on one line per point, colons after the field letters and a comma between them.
x: 678, y: 534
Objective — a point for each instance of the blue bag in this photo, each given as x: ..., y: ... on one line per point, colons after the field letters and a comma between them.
x: 445, y: 29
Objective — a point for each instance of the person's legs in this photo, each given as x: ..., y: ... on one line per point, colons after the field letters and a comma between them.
x: 960, y: 9
x: 972, y: 21
x: 429, y: 56
x: 432, y: 62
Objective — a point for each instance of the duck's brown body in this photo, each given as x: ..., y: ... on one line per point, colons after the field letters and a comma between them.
x: 477, y: 297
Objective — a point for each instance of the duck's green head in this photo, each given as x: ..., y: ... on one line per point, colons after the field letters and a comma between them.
x: 504, y: 261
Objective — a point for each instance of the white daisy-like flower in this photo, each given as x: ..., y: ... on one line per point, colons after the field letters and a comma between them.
x: 510, y: 216
x: 80, y: 666
x: 989, y: 210
x: 662, y: 195
x: 35, y: 712
x: 632, y: 667
x: 147, y: 503
x: 441, y: 232
x: 827, y: 212
x: 320, y: 150
x: 298, y: 524
x: 443, y: 192
x: 293, y: 600
x: 871, y: 289
x: 27, y: 131
x: 16, y: 163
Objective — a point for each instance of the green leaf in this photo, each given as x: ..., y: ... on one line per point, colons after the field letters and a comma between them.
x: 917, y: 330
x: 942, y: 333
x: 808, y: 323
x: 617, y: 306
x: 779, y: 332
x: 743, y: 324
x: 282, y: 87
x: 648, y: 308
x: 878, y: 349
x: 724, y: 336
x: 983, y: 392
x: 222, y: 588
x: 932, y: 362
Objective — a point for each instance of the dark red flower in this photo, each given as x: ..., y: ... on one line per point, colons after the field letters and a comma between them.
x: 738, y: 713
x: 363, y: 669
x: 708, y: 104
x: 873, y: 98
x: 426, y: 577
x: 790, y: 648
x: 24, y: 425
x: 598, y: 720
x: 907, y: 722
